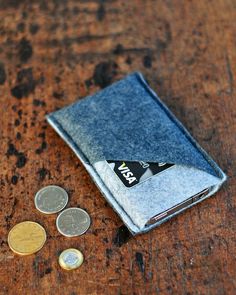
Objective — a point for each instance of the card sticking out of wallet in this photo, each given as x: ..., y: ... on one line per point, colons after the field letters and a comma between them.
x: 148, y: 170
x: 132, y: 173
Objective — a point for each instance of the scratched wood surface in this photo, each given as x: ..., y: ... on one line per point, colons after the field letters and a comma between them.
x: 55, y: 52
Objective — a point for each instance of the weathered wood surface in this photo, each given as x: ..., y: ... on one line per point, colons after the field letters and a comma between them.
x: 53, y: 52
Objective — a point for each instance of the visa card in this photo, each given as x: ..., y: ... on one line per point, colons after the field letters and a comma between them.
x: 133, y: 173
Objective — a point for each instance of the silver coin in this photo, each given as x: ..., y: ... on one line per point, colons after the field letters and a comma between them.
x: 73, y: 222
x: 51, y: 199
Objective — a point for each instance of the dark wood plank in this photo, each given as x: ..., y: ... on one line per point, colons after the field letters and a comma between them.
x: 53, y: 52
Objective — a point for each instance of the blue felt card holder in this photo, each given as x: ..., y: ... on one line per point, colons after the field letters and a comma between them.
x: 128, y: 122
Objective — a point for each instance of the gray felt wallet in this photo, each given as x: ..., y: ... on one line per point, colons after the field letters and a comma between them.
x: 143, y: 160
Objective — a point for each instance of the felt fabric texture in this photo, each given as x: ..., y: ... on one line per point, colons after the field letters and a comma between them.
x: 158, y: 193
x: 127, y: 121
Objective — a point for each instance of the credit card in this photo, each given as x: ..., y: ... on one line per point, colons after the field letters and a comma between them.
x: 133, y: 173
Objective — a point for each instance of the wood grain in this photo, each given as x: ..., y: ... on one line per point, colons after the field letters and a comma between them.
x: 54, y: 52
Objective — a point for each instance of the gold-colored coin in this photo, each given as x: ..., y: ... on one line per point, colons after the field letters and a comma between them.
x: 26, y: 238
x: 71, y: 259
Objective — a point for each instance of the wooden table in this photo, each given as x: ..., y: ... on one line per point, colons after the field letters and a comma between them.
x: 55, y: 52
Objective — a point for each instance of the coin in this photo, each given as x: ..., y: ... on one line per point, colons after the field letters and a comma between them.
x: 51, y: 199
x: 26, y: 238
x: 73, y: 222
x: 71, y: 259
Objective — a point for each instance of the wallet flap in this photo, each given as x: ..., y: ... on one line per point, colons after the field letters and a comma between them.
x: 127, y: 121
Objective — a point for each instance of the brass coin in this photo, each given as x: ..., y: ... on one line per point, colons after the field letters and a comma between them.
x: 26, y: 238
x: 71, y: 259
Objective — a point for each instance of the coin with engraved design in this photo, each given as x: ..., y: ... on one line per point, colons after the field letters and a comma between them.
x: 51, y: 199
x: 73, y: 222
x: 26, y: 238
